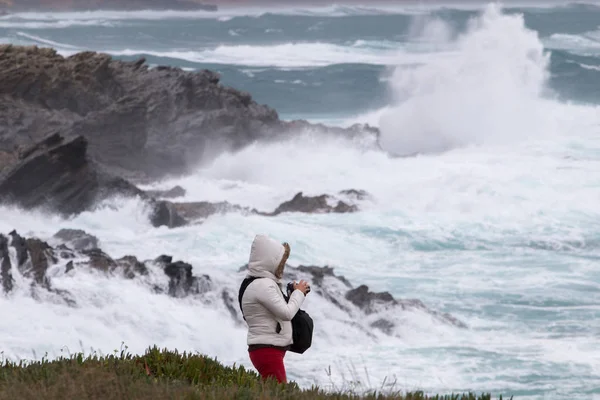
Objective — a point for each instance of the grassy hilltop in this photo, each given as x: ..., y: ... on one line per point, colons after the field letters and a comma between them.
x: 159, y: 374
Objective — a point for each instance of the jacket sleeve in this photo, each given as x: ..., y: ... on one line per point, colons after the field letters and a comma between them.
x: 273, y: 300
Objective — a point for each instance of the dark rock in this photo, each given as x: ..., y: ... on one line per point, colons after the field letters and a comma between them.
x: 153, y: 121
x: 368, y: 301
x: 128, y: 266
x: 33, y: 258
x: 132, y: 267
x: 231, y: 304
x: 69, y: 266
x: 408, y: 304
x: 202, y: 209
x: 77, y: 239
x: 41, y: 257
x: 163, y: 259
x: 164, y: 213
x: 55, y: 174
x: 100, y: 260
x: 37, y: 256
x: 342, y: 207
x: 20, y: 245
x: 176, y: 191
x: 7, y: 158
x: 355, y: 194
x: 384, y: 325
x: 319, y: 273
x: 314, y: 205
x: 182, y: 282
x: 65, y: 252
x: 6, y: 266
x: 140, y: 122
x: 371, y: 302
x: 173, y: 214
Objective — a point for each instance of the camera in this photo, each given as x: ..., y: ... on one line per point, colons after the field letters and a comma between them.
x: 290, y: 289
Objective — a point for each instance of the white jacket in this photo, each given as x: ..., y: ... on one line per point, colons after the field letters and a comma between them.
x: 263, y: 303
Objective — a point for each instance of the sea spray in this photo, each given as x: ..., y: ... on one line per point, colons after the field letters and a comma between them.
x: 489, y: 91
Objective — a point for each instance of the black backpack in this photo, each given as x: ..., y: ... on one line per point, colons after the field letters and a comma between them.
x: 302, y: 323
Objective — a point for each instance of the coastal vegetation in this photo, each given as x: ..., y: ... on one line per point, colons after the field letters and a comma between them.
x: 166, y: 374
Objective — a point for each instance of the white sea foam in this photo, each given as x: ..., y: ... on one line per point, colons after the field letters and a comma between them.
x: 227, y: 13
x: 291, y: 55
x: 585, y: 44
x: 42, y: 41
x: 489, y: 92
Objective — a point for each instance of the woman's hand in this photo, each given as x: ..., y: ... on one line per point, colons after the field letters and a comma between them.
x: 302, y: 286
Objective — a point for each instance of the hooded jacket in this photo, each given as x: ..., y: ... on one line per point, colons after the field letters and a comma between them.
x: 263, y: 303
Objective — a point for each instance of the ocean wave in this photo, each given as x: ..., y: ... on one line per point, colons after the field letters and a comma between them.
x: 289, y: 55
x: 56, y: 24
x: 587, y: 43
x: 40, y: 40
x: 493, y: 91
x: 224, y: 15
x: 228, y: 13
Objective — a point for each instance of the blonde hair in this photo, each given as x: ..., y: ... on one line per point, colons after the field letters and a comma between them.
x: 281, y: 266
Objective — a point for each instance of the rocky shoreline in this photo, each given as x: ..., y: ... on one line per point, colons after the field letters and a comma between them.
x: 74, y: 250
x: 77, y: 130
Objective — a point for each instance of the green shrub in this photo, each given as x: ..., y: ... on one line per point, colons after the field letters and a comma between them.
x: 161, y: 374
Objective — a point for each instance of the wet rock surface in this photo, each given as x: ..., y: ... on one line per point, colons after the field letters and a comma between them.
x: 54, y: 174
x: 77, y: 239
x: 313, y: 205
x: 140, y: 122
x: 176, y: 191
x: 358, y: 306
x: 77, y: 130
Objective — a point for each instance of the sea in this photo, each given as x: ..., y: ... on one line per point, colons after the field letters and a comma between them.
x: 485, y: 193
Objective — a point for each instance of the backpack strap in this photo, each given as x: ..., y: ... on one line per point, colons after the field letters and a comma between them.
x: 243, y: 287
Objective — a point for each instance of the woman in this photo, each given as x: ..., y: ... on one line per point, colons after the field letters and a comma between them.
x: 267, y: 313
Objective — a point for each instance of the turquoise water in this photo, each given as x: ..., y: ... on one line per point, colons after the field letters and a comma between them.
x: 495, y: 222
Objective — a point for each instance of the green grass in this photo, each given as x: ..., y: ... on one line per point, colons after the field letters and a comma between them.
x: 161, y: 374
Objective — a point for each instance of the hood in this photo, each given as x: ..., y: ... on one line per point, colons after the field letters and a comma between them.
x: 265, y: 256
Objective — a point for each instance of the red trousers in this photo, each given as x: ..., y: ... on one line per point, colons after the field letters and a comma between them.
x: 269, y: 362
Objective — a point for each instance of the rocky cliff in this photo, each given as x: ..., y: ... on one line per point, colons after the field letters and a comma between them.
x: 139, y: 122
x: 76, y: 129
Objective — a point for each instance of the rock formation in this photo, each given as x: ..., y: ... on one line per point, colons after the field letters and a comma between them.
x: 140, y: 122
x: 76, y: 239
x: 55, y: 174
x: 34, y: 257
x: 173, y: 214
x: 75, y: 130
